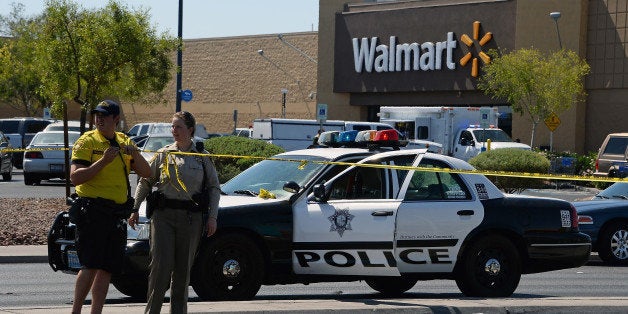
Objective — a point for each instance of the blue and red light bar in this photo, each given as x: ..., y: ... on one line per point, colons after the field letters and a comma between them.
x: 368, y: 138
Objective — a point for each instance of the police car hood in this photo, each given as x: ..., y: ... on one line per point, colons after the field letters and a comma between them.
x: 245, y: 200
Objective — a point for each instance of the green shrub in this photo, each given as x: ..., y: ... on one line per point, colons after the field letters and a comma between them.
x: 512, y: 160
x: 229, y: 167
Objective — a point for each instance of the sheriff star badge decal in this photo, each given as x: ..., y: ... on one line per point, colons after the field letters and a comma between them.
x: 340, y: 221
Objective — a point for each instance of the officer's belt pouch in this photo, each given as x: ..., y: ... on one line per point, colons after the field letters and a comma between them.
x: 76, y: 212
x: 154, y: 200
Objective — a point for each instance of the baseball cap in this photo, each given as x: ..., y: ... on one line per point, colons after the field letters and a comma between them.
x: 107, y: 107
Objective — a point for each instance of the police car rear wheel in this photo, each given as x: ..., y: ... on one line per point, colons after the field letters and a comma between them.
x: 230, y: 267
x: 490, y: 267
x: 391, y: 286
x: 133, y: 286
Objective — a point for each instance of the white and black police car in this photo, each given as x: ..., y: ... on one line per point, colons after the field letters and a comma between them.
x: 388, y: 217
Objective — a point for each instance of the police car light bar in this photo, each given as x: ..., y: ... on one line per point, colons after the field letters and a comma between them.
x: 368, y: 139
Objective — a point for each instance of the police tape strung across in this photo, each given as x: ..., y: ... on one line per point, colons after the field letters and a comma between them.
x: 545, y: 176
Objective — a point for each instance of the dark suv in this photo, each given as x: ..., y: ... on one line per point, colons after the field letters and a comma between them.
x: 20, y: 131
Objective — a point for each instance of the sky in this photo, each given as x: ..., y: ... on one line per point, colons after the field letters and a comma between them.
x: 210, y: 18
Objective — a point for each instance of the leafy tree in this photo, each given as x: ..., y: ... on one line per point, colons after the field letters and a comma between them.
x: 19, y: 75
x: 86, y: 55
x: 534, y: 84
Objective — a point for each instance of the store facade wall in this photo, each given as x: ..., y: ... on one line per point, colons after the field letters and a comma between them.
x: 243, y: 73
x: 513, y: 24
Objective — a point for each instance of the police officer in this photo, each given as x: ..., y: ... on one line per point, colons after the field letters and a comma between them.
x: 177, y: 225
x: 101, y: 162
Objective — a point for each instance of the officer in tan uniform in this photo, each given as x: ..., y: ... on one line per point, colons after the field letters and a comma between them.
x: 176, y: 225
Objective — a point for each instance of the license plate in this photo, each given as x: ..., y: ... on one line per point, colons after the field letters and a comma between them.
x: 56, y: 168
x: 73, y: 260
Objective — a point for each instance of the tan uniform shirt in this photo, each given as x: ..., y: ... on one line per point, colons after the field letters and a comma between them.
x: 179, y: 176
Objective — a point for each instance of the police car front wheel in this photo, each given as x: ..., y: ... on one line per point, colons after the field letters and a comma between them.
x: 490, y: 267
x: 229, y: 267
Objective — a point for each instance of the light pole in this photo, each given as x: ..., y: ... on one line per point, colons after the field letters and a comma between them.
x: 283, y: 40
x: 283, y: 102
x: 179, y: 57
x: 555, y: 16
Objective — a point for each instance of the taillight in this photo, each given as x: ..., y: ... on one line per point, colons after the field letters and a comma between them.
x: 597, y: 165
x: 574, y: 218
x: 33, y: 155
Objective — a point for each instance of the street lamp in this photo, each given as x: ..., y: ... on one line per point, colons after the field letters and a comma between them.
x: 283, y: 102
x: 283, y: 40
x: 555, y: 16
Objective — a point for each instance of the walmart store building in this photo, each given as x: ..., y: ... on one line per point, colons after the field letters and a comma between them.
x: 361, y: 67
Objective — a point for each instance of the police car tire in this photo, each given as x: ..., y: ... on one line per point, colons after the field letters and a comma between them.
x: 208, y: 280
x: 391, y: 286
x: 608, y: 240
x: 472, y: 278
x: 135, y: 286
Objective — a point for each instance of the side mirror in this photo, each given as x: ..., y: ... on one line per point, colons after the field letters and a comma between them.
x: 4, y: 144
x: 319, y: 192
x: 291, y: 187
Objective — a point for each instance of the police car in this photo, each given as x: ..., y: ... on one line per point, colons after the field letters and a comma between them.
x: 387, y: 217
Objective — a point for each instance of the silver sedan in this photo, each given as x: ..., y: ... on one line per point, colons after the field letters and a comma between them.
x: 44, y: 157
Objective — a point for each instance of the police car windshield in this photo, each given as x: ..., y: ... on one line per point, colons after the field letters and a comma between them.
x: 271, y: 175
x: 496, y: 135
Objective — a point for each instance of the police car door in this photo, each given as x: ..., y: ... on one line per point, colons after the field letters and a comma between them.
x: 352, y: 231
x: 435, y: 216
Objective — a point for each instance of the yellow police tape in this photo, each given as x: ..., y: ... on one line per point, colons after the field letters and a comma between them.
x: 303, y: 162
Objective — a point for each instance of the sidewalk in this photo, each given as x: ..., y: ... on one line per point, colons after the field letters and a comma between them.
x: 464, y: 305
x: 23, y: 254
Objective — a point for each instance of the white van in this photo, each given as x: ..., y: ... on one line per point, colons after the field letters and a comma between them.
x: 293, y: 134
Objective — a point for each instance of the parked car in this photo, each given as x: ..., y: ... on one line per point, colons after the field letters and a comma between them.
x: 212, y: 135
x: 612, y: 151
x: 6, y: 158
x: 44, y: 157
x: 20, y: 131
x: 73, y: 125
x: 605, y: 220
x: 141, y: 129
x: 244, y: 132
x: 151, y: 143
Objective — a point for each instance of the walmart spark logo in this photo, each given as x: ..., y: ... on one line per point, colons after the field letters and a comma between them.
x: 470, y: 45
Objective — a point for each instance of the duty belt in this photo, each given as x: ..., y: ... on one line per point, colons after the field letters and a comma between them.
x: 179, y: 204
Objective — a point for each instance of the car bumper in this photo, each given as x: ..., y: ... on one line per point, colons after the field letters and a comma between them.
x: 558, y: 252
x: 62, y: 250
